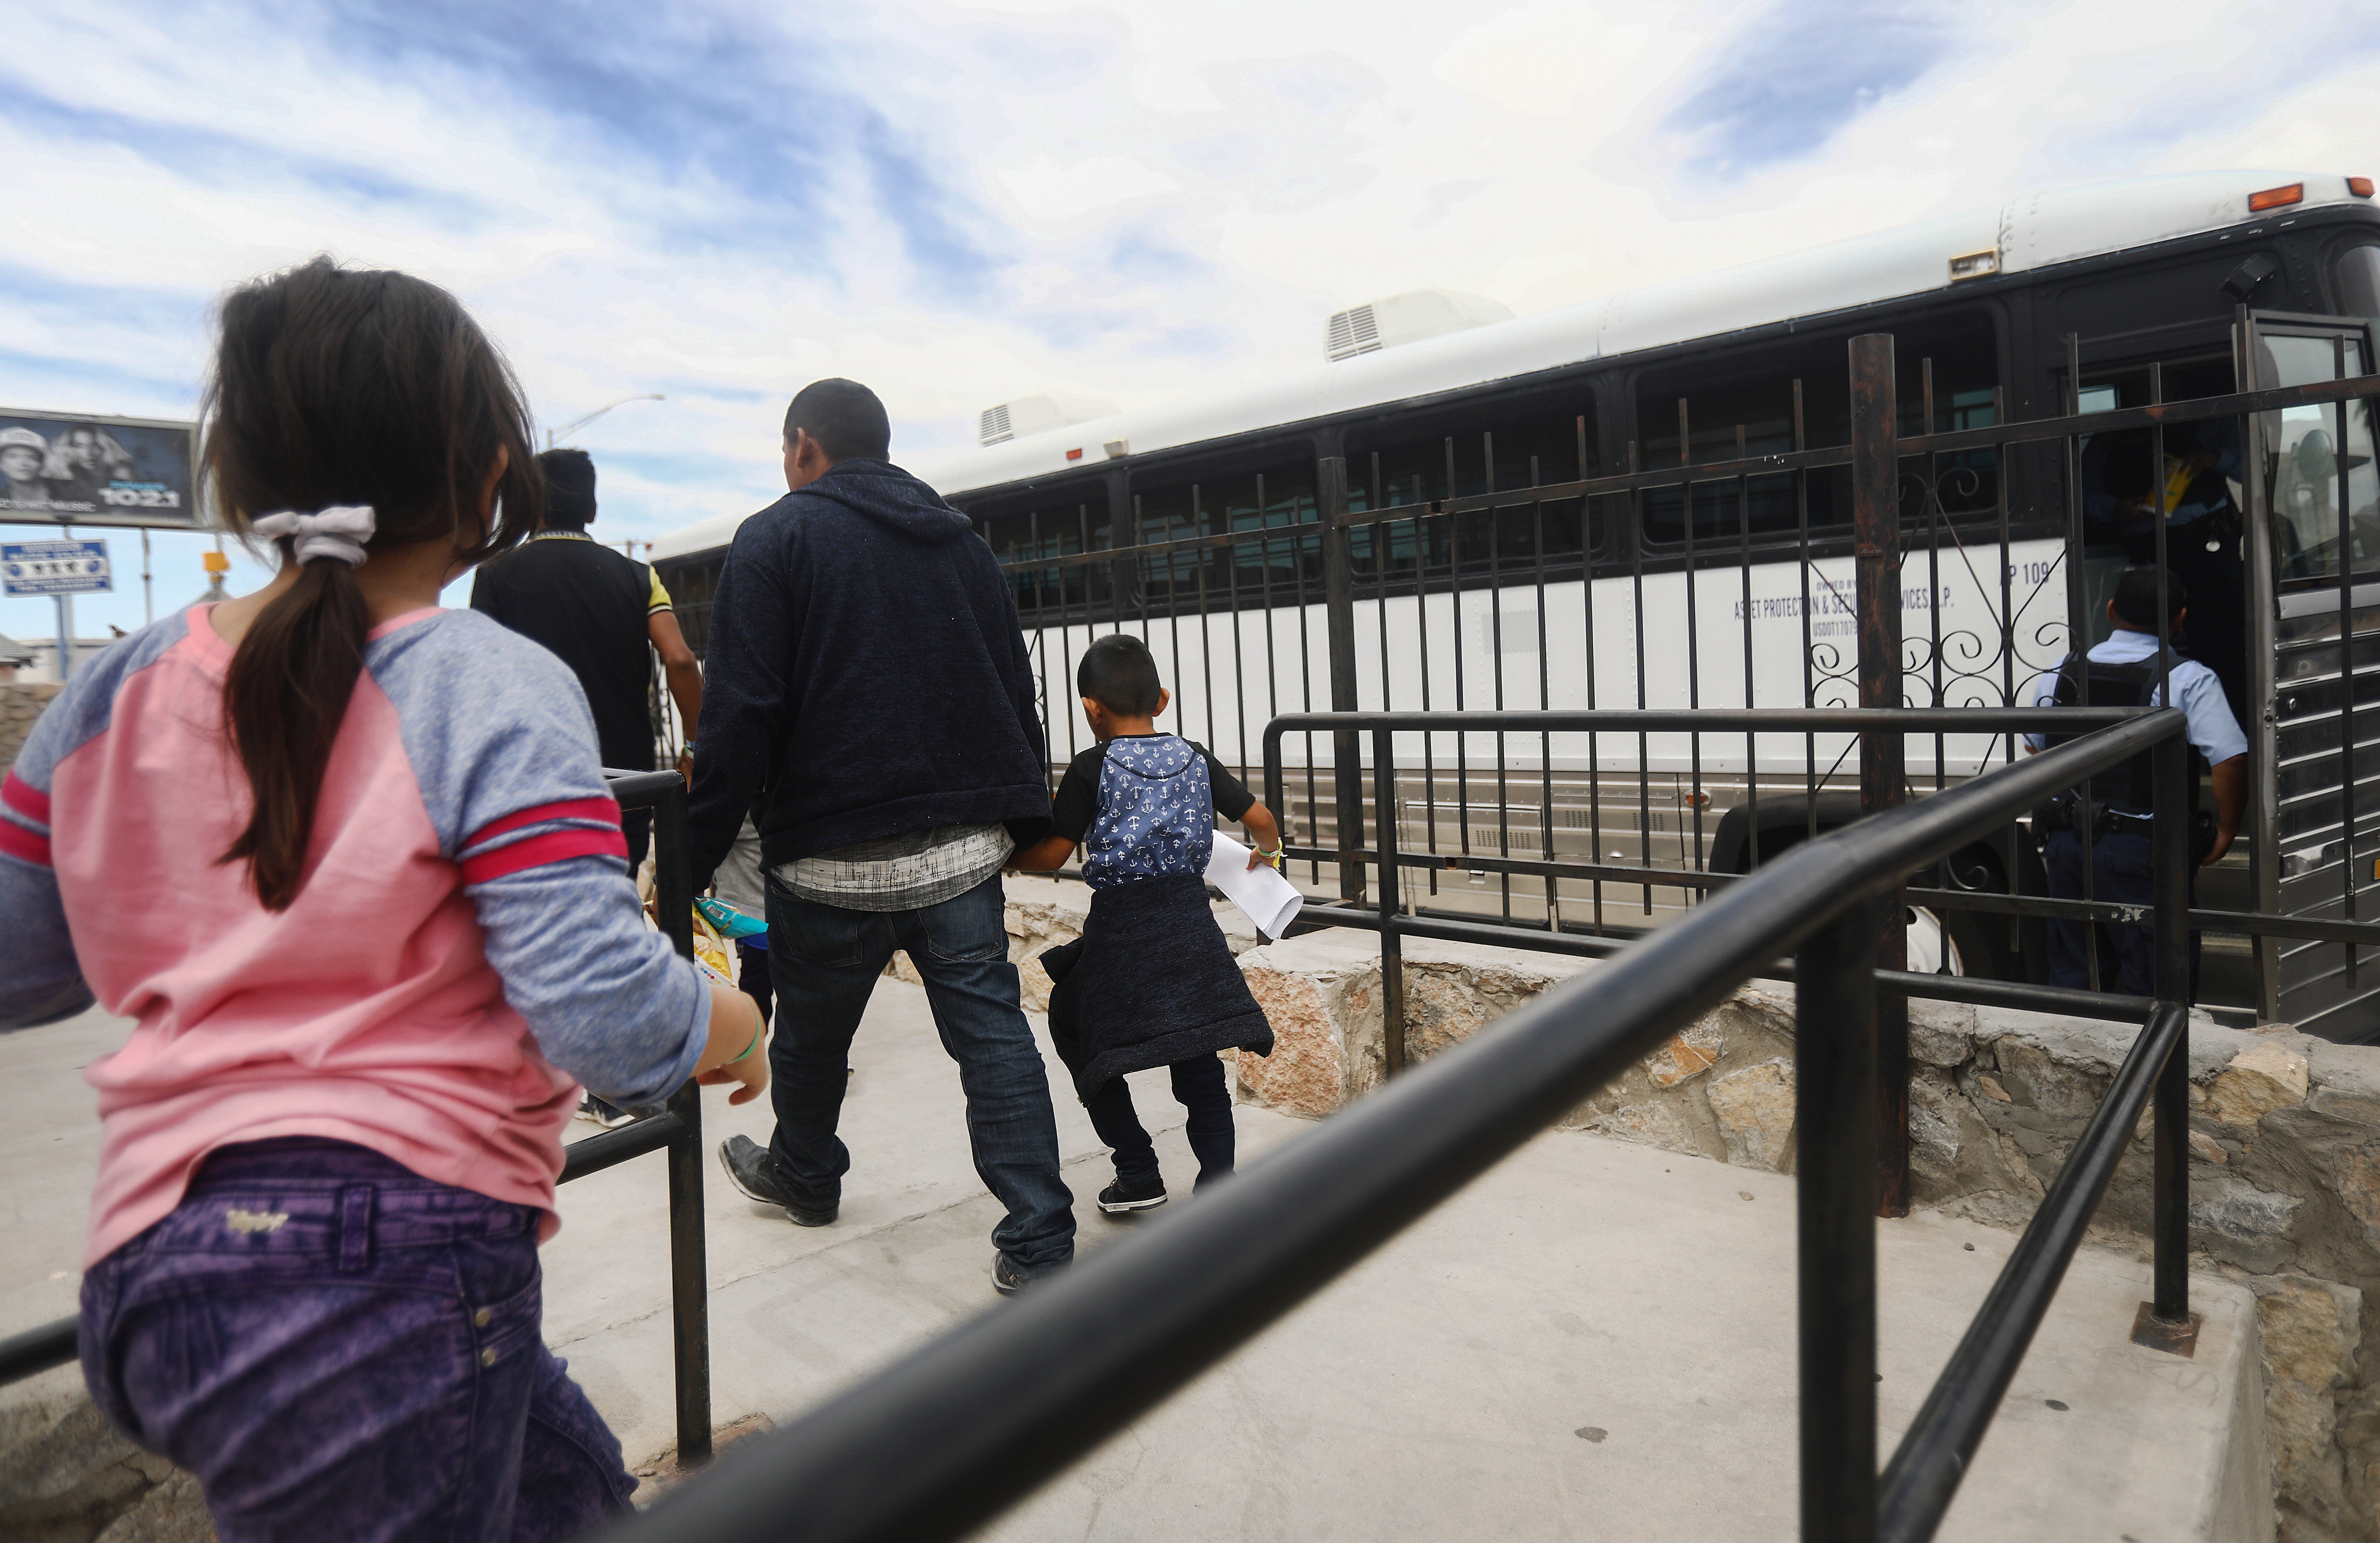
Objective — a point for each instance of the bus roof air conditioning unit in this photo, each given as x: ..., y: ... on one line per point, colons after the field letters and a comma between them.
x: 1027, y: 416
x: 1407, y: 318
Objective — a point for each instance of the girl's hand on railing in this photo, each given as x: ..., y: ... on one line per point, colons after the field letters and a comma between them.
x: 735, y: 1053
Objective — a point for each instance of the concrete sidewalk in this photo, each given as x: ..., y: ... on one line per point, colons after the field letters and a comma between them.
x: 1595, y: 1340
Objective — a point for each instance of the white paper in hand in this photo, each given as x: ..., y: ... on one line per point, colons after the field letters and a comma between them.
x: 1260, y: 893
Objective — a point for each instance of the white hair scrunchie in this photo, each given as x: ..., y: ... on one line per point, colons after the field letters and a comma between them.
x: 338, y: 531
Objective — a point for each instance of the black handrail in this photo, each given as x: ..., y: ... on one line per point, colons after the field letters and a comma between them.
x: 677, y: 1130
x: 1974, y: 990
x: 952, y: 1434
x: 37, y: 1350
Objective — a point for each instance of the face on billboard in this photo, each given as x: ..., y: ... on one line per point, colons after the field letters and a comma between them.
x: 95, y: 471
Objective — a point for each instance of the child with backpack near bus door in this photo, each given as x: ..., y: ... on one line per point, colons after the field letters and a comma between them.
x: 348, y: 862
x: 1150, y: 982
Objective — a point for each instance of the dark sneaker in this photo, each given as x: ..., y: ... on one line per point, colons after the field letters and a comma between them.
x: 1122, y: 1197
x: 608, y: 1115
x: 1008, y: 1278
x: 752, y: 1169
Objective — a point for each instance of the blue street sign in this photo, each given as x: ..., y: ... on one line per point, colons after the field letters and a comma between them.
x: 54, y: 569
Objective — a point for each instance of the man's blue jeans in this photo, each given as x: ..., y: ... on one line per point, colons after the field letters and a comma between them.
x: 825, y: 961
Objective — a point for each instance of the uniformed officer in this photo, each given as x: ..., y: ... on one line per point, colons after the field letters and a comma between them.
x: 2122, y: 672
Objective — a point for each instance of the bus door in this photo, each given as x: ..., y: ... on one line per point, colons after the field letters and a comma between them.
x: 2313, y: 585
x: 2188, y: 478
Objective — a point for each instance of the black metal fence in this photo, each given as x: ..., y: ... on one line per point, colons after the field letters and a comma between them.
x: 676, y: 1128
x: 1913, y: 548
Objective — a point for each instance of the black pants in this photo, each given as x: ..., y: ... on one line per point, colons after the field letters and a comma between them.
x: 2121, y: 872
x: 637, y: 826
x: 752, y: 976
x: 1198, y: 1084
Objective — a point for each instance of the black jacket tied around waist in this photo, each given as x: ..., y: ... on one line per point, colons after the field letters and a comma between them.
x: 1150, y: 982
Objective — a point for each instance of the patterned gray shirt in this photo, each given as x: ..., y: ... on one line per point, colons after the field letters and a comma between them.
x: 900, y: 873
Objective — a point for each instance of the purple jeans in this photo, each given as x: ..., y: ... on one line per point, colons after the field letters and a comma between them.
x: 343, y: 1350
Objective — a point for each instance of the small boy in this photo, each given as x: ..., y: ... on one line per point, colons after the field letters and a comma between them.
x: 1151, y: 981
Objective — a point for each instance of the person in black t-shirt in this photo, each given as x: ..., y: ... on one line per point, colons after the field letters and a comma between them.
x: 603, y: 613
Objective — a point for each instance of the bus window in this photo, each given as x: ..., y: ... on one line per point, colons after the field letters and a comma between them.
x: 2304, y: 463
x: 1053, y: 525
x: 1752, y: 392
x: 2201, y: 476
x: 2124, y: 485
x: 1501, y: 448
x: 1246, y: 504
x: 2355, y: 281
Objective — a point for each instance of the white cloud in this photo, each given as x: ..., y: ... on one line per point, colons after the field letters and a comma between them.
x: 1044, y: 189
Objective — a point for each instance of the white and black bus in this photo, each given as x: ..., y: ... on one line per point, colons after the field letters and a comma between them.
x: 1199, y: 525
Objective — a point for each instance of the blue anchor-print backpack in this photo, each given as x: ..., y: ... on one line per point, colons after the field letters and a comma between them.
x: 1156, y: 814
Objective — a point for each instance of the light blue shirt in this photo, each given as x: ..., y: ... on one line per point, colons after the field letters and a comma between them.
x: 2212, y: 731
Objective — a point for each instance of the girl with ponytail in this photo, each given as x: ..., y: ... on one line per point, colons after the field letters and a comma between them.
x: 347, y: 862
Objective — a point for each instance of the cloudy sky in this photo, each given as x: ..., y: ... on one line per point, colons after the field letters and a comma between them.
x: 963, y: 202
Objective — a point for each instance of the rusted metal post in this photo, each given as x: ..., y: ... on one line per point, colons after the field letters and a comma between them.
x: 1875, y: 528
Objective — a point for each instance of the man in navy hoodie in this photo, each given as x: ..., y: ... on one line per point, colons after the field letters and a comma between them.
x: 868, y: 698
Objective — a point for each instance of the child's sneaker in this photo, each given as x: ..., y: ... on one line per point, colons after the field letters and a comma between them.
x: 608, y: 1115
x: 1121, y: 1197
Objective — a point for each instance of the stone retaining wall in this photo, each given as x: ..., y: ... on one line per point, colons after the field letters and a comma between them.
x: 21, y: 703
x: 2285, y: 1142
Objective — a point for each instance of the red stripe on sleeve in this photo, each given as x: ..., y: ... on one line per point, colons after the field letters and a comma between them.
x: 25, y: 799
x: 604, y: 810
x: 552, y: 848
x: 20, y: 842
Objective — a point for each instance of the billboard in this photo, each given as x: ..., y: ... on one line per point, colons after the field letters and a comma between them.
x: 58, y: 468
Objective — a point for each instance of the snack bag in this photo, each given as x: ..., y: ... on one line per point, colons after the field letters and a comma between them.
x: 732, y: 923
x: 710, y: 951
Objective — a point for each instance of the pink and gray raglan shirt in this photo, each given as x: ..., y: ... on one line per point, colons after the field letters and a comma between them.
x: 467, y: 950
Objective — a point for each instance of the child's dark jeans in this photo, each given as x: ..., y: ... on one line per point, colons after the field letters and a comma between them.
x: 340, y: 1349
x: 752, y: 973
x: 1198, y: 1083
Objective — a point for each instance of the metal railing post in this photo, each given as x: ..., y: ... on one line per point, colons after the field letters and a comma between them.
x: 1835, y: 1185
x: 2170, y: 841
x: 1339, y: 608
x: 689, y: 1271
x: 1876, y: 531
x: 1392, y: 963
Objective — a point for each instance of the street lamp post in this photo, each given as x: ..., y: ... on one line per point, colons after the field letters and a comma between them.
x: 553, y: 436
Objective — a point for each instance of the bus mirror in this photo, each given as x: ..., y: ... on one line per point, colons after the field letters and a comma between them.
x: 2246, y: 277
